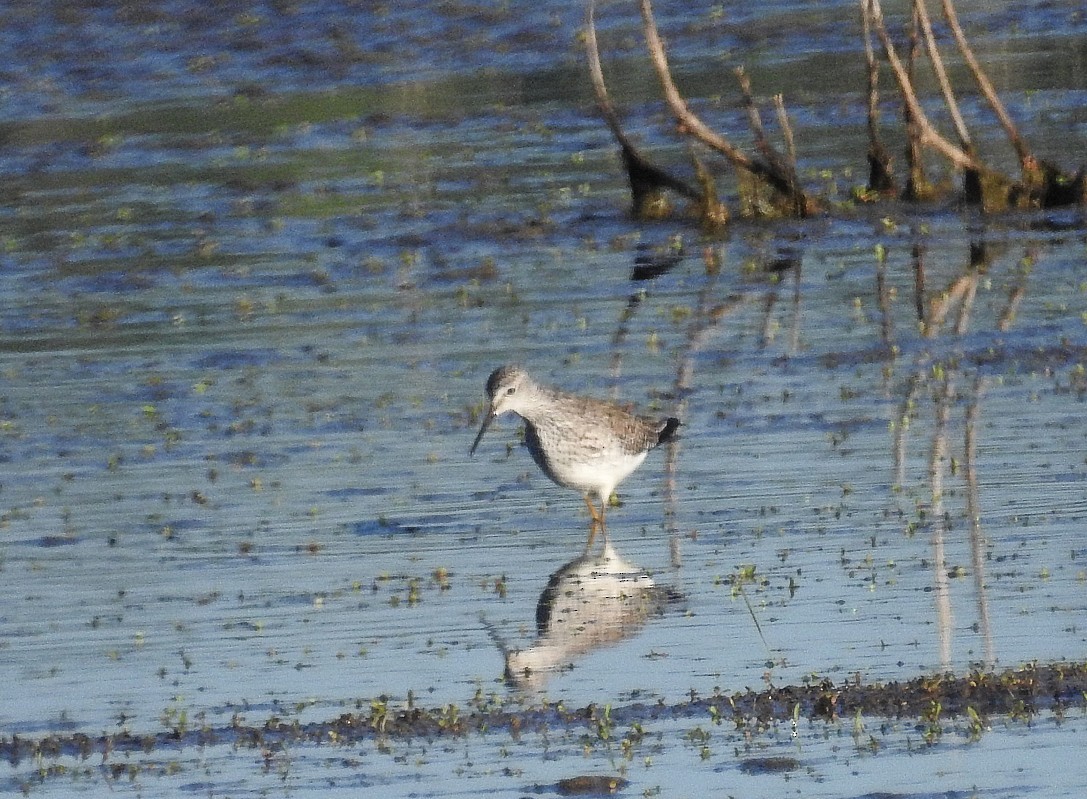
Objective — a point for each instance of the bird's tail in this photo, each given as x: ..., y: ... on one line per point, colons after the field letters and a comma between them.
x: 669, y: 430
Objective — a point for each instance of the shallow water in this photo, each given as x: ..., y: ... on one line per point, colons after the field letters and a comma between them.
x: 251, y: 289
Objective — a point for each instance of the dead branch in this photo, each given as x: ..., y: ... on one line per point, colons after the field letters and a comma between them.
x: 880, y: 175
x: 647, y: 181
x: 933, y: 51
x: 972, y: 185
x: 785, y: 167
x: 918, y: 187
x: 784, y: 184
x: 754, y: 119
x: 684, y: 116
x: 786, y: 131
x: 711, y: 211
x: 926, y: 132
x: 986, y: 85
x: 767, y: 177
x: 767, y: 151
x: 1042, y: 183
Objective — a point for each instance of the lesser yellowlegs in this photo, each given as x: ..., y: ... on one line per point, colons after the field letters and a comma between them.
x: 583, y: 443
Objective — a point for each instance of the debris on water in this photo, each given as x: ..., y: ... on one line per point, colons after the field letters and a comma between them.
x: 590, y: 786
x: 769, y: 765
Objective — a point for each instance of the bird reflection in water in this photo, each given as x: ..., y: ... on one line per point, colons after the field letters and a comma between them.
x: 593, y: 601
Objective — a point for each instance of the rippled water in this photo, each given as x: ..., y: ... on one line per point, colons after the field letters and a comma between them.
x: 256, y: 267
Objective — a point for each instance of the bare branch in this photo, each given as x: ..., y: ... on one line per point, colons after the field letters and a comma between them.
x: 712, y: 212
x: 880, y: 177
x: 941, y: 76
x: 596, y: 75
x: 782, y: 170
x: 768, y: 171
x: 972, y: 186
x: 754, y: 119
x: 786, y: 130
x: 986, y: 86
x: 918, y: 186
x: 929, y: 135
x: 690, y: 122
x: 646, y: 179
x: 687, y: 118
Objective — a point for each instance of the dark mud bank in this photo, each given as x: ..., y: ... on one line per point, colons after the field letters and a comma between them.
x: 1018, y: 693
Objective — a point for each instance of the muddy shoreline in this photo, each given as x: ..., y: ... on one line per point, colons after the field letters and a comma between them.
x: 1019, y: 693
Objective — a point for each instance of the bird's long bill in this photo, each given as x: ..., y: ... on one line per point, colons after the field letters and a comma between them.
x: 490, y: 417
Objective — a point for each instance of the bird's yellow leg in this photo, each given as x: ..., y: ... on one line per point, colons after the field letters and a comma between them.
x: 598, y: 518
x: 597, y: 523
x: 593, y: 523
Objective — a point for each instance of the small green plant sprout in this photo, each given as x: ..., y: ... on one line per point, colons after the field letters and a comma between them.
x: 975, y: 724
x: 858, y: 728
x: 379, y: 713
x: 931, y: 719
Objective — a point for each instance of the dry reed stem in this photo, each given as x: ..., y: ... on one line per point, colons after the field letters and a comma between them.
x: 786, y: 130
x: 767, y: 171
x: 986, y: 85
x: 926, y: 131
x: 646, y: 179
x: 880, y: 176
x: 682, y: 112
x: 941, y: 76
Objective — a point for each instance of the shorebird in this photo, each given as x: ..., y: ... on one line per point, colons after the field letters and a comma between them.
x: 586, y: 444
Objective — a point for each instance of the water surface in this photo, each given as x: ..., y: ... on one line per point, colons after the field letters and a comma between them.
x: 256, y: 267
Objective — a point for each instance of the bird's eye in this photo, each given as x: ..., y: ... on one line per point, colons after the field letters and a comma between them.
x: 510, y: 390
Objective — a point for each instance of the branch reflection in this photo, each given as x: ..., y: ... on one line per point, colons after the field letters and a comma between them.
x: 945, y: 314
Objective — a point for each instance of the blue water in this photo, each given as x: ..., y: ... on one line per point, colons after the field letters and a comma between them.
x: 250, y: 289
